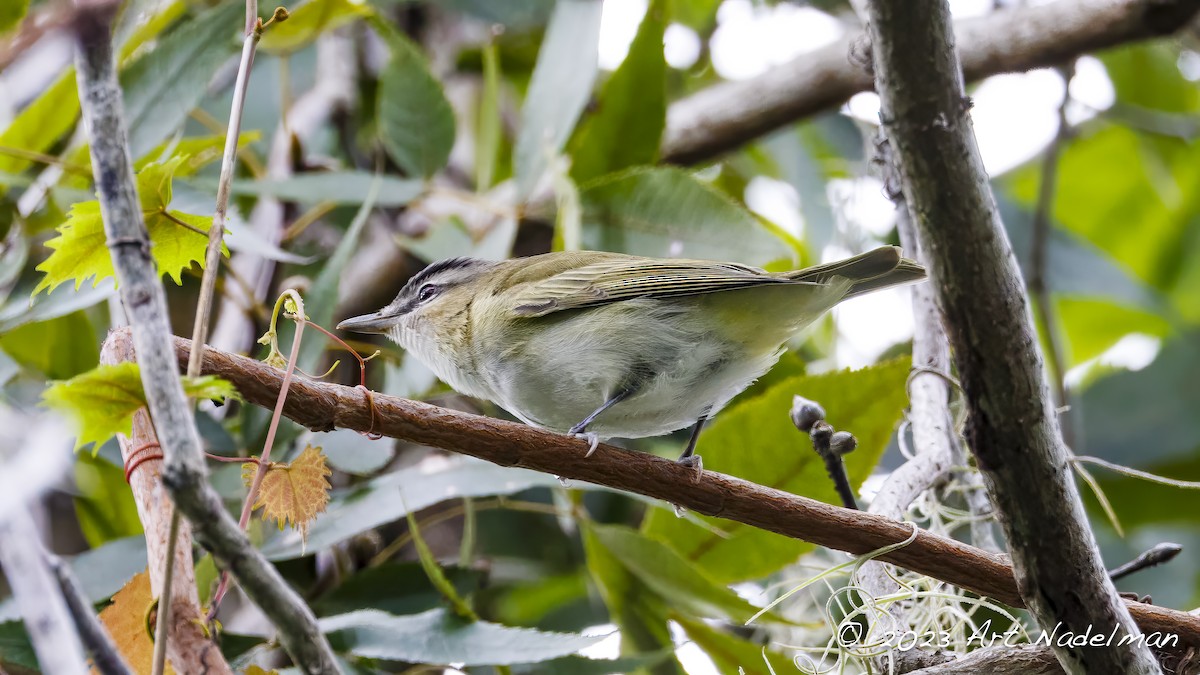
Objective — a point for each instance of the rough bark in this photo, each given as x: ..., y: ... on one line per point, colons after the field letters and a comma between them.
x: 1012, y: 427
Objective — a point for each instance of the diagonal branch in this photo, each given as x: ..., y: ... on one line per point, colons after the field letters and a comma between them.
x: 184, y: 471
x: 725, y: 116
x: 322, y: 407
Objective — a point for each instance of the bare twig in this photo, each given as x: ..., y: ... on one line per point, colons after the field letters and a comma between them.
x: 1040, y: 237
x: 724, y: 116
x: 97, y: 641
x: 334, y: 89
x: 212, y: 254
x: 184, y: 473
x: 1160, y: 554
x: 323, y: 407
x: 1012, y: 427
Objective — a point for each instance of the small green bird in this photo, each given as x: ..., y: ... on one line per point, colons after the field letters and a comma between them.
x: 603, y: 345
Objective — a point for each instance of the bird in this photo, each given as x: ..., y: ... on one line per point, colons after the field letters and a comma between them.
x: 605, y: 345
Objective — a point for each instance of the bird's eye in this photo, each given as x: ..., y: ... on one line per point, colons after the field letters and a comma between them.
x: 427, y: 292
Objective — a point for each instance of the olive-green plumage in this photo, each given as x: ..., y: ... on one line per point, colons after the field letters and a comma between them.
x: 611, y: 344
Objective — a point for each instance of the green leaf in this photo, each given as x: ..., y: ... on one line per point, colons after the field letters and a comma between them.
x: 666, y: 212
x: 1093, y: 326
x: 438, y: 637
x: 732, y: 654
x: 351, y: 452
x: 309, y: 21
x: 514, y: 14
x: 60, y: 348
x: 396, y: 588
x: 415, y: 119
x: 578, y: 665
x: 376, y: 502
x: 198, y: 152
x: 101, y: 402
x: 1147, y: 75
x: 104, y: 504
x: 54, y: 304
x: 53, y: 113
x: 666, y: 573
x: 1147, y: 416
x: 626, y: 129
x: 487, y: 145
x: 16, y: 651
x: 41, y: 123
x: 435, y: 574
x: 1131, y: 197
x: 11, y: 13
x: 81, y: 251
x: 560, y: 88
x: 638, y: 612
x: 166, y: 83
x: 337, y: 187
x: 756, y: 441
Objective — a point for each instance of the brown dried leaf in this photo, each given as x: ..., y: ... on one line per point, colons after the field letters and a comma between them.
x: 292, y: 494
x: 128, y: 623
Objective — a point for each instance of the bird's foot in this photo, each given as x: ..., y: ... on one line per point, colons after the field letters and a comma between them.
x: 693, y: 462
x: 590, y: 436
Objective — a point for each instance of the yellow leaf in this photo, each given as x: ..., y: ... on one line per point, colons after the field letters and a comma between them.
x: 292, y: 494
x: 128, y: 623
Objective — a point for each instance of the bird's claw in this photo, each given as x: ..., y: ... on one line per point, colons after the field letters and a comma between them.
x: 693, y: 462
x: 591, y: 437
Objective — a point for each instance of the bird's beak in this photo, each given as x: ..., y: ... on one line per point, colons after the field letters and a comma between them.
x: 368, y: 323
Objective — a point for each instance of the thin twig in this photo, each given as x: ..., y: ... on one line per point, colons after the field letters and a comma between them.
x: 212, y: 260
x: 265, y: 458
x: 95, y: 638
x: 1040, y: 242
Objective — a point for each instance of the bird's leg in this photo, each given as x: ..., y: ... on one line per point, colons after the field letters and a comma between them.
x: 689, y: 458
x: 579, y: 430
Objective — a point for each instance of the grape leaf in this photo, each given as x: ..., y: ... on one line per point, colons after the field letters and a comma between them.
x: 308, y: 22
x: 176, y: 239
x: 126, y: 620
x: 101, y: 402
x: 292, y: 493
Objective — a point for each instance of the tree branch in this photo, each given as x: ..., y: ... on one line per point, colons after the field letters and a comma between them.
x: 184, y: 473
x: 95, y: 638
x: 1012, y: 427
x: 723, y: 117
x: 47, y: 618
x: 323, y: 407
x: 188, y: 648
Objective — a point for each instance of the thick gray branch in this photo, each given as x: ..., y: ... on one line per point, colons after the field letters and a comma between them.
x: 184, y: 472
x: 47, y: 618
x: 1011, y: 428
x: 722, y: 117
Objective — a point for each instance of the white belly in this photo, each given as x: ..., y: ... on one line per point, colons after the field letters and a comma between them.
x: 568, y: 368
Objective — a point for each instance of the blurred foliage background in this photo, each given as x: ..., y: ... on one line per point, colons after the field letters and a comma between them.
x: 492, y: 129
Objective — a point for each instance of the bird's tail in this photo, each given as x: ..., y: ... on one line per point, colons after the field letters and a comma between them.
x: 870, y: 271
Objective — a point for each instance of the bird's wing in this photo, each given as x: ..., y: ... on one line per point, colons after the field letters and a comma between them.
x: 627, y: 278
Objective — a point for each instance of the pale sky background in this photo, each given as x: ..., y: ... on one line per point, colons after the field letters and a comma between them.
x: 1015, y: 117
